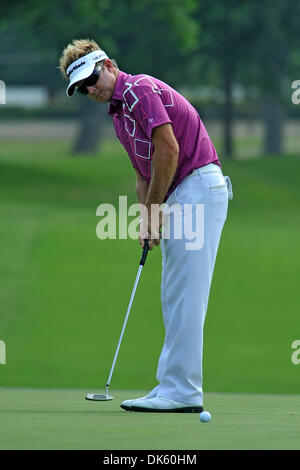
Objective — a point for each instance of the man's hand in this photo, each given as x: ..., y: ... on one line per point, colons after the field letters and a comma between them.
x: 150, y: 226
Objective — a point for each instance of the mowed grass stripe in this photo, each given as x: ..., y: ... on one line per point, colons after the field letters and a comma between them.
x: 62, y: 419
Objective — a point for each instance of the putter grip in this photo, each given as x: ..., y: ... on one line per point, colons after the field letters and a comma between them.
x: 145, y: 252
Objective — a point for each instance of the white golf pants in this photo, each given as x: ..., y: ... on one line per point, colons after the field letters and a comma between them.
x: 187, y: 270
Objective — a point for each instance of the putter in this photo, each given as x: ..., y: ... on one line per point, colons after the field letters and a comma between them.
x: 106, y: 396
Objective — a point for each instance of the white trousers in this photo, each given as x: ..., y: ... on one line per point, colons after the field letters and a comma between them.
x: 186, y: 281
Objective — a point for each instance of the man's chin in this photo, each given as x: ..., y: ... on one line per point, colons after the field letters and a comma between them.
x: 102, y: 98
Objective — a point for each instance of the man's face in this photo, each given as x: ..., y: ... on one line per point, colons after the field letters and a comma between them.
x: 103, y: 89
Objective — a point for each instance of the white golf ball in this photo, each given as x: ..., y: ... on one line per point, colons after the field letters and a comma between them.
x: 205, y: 416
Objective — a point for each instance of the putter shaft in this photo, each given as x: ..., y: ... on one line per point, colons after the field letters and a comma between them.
x: 142, y: 262
x: 124, y: 326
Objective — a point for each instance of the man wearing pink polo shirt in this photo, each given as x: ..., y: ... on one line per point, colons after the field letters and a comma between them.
x: 176, y: 163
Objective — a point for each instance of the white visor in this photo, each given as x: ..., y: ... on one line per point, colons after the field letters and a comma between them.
x: 83, y: 68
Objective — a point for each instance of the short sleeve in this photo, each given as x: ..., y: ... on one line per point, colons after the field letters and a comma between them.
x: 147, y: 107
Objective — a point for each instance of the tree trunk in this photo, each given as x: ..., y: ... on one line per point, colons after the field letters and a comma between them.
x: 92, y: 118
x: 273, y: 118
x: 228, y: 115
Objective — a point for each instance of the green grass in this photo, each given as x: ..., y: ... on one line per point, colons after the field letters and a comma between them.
x: 64, y: 293
x: 56, y: 419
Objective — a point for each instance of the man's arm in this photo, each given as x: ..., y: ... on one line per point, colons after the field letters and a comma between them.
x: 164, y: 164
x: 141, y: 188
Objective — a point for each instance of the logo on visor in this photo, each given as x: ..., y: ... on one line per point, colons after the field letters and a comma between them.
x: 76, y: 67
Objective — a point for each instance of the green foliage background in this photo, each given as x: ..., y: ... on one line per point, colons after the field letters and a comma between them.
x: 64, y: 293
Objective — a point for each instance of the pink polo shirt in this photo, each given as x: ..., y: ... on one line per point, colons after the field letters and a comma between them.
x: 139, y: 104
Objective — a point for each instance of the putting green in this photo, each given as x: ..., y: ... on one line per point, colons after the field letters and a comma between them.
x: 64, y: 292
x: 62, y: 419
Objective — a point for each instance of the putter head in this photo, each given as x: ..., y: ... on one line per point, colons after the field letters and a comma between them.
x: 98, y: 397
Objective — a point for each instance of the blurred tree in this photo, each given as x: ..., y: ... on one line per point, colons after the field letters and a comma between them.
x: 149, y: 36
x: 253, y: 43
x: 275, y: 44
x: 227, y: 30
x: 180, y: 41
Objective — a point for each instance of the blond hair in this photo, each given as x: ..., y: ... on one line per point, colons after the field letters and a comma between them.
x: 76, y: 49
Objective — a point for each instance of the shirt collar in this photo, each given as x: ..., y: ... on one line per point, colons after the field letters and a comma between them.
x: 118, y: 93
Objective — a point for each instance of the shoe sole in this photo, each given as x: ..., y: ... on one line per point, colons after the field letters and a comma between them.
x: 190, y: 409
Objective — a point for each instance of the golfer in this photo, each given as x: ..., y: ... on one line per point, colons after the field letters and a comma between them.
x: 176, y: 164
